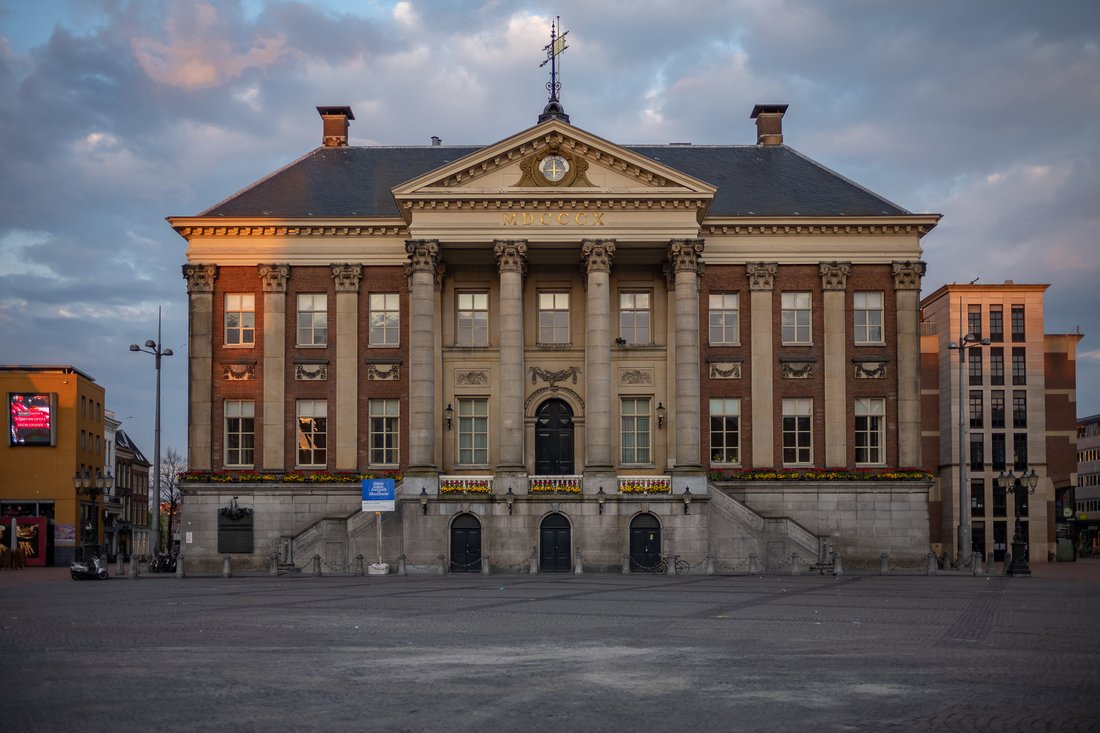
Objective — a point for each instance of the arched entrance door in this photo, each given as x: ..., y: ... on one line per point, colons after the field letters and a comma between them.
x: 645, y: 542
x: 555, y: 539
x: 554, y: 439
x: 466, y: 544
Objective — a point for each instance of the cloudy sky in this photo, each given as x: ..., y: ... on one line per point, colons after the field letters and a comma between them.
x: 117, y: 113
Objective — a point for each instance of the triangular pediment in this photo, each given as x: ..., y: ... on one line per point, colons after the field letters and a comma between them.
x: 554, y: 160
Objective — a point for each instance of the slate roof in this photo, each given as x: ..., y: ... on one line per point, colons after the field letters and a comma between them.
x: 752, y: 180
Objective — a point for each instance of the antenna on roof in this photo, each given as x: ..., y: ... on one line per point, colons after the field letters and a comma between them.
x: 554, y: 109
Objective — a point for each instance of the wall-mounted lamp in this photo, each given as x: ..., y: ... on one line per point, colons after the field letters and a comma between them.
x: 510, y: 498
x: 687, y: 499
x: 449, y: 415
x: 660, y: 415
x: 423, y: 500
x: 600, y: 499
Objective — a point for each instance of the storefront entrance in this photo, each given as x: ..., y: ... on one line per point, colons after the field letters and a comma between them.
x: 466, y: 544
x: 554, y: 439
x: 555, y: 539
x: 645, y: 542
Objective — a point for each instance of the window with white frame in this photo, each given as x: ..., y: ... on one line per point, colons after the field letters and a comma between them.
x: 312, y: 432
x: 724, y: 314
x: 240, y: 319
x: 870, y: 431
x: 795, y: 317
x: 312, y: 319
x: 867, y: 315
x: 240, y: 432
x: 725, y: 431
x: 553, y: 318
x: 472, y: 328
x: 635, y: 435
x: 634, y: 317
x: 383, y: 417
x: 385, y: 319
x: 473, y: 431
x: 798, y: 431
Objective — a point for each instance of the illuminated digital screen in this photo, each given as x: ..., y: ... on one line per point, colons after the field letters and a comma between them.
x: 31, y: 420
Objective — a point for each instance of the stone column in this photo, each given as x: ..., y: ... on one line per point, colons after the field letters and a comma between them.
x: 512, y: 264
x: 761, y: 281
x: 274, y: 279
x: 347, y: 278
x: 200, y: 363
x: 684, y: 260
x: 907, y: 277
x: 597, y: 255
x: 834, y: 279
x: 421, y: 268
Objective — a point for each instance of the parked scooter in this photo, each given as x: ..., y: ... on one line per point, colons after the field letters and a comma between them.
x: 91, y: 569
x: 163, y: 562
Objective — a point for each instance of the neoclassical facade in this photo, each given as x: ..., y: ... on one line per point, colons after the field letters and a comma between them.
x: 574, y: 355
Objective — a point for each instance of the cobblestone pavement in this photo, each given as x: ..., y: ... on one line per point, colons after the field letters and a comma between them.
x: 552, y: 653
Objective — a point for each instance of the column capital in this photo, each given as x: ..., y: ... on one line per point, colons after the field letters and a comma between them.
x: 597, y: 254
x: 423, y: 254
x: 274, y: 277
x: 907, y: 275
x: 761, y: 274
x: 200, y: 278
x: 511, y: 255
x: 834, y: 275
x: 684, y: 255
x: 347, y: 277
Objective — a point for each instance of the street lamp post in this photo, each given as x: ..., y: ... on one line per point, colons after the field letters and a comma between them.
x: 91, y: 487
x: 1019, y: 486
x: 155, y: 348
x: 969, y: 341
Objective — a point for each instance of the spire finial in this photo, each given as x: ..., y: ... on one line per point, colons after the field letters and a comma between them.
x: 554, y: 109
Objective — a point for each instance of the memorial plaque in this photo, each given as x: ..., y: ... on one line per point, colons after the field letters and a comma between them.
x: 235, y: 530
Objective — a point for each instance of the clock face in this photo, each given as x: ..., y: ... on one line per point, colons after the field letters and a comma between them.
x: 553, y: 168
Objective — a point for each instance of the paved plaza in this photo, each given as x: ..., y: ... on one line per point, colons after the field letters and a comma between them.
x: 552, y: 653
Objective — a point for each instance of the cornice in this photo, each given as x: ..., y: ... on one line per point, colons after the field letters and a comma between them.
x: 478, y: 201
x: 188, y: 227
x: 918, y: 225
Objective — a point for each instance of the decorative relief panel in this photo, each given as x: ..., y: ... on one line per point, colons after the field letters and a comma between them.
x: 383, y: 372
x: 200, y: 278
x: 347, y: 277
x: 761, y: 275
x: 834, y: 275
x: 311, y: 372
x: 907, y: 275
x: 725, y: 370
x: 635, y: 376
x: 472, y: 377
x: 552, y: 378
x: 797, y: 369
x: 870, y: 369
x: 239, y: 372
x: 274, y: 277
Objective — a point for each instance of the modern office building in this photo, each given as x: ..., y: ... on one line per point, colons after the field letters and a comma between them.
x: 1015, y: 385
x: 574, y: 354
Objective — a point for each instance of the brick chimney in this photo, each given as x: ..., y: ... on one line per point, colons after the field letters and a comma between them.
x: 335, y: 125
x: 769, y: 123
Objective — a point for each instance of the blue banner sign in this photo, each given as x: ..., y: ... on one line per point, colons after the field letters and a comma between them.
x: 378, y: 495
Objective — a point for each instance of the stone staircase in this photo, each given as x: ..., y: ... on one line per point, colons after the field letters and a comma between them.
x: 739, y: 533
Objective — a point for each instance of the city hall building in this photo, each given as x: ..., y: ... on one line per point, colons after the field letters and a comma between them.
x: 573, y: 355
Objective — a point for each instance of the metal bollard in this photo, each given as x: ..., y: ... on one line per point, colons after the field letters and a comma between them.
x: 401, y: 568
x: 133, y: 566
x: 838, y: 564
x: 359, y: 564
x: 317, y: 565
x: 931, y: 570
x: 976, y: 563
x: 796, y: 564
x: 227, y: 571
x: 884, y: 563
x: 179, y: 565
x: 273, y: 571
x: 754, y: 565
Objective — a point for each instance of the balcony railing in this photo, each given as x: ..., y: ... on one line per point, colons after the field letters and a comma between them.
x: 554, y: 484
x: 465, y: 484
x: 645, y: 484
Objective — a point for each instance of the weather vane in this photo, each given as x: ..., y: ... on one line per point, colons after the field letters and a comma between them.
x: 555, y: 48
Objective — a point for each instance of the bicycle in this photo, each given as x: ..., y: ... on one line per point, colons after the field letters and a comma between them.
x: 678, y: 566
